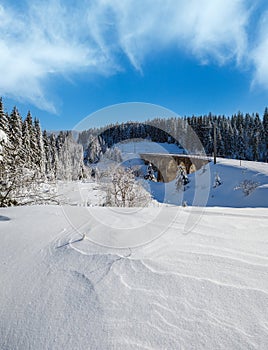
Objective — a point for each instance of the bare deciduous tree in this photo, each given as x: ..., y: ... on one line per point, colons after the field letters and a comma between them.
x: 123, y: 190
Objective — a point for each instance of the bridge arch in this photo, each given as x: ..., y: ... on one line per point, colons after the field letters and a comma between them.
x: 167, y: 164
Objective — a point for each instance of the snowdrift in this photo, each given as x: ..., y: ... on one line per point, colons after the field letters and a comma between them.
x: 207, y: 289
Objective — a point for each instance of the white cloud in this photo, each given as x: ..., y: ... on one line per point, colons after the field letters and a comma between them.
x: 52, y: 38
x: 42, y: 42
x: 208, y: 29
x: 259, y: 54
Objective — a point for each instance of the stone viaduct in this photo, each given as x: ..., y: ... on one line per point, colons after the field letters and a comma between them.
x: 167, y: 164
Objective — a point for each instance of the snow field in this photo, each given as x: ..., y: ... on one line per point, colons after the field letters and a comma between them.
x: 204, y: 290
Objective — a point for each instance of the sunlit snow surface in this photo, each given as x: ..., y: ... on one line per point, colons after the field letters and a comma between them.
x: 204, y: 290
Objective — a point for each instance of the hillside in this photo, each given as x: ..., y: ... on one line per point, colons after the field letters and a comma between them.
x: 200, y: 191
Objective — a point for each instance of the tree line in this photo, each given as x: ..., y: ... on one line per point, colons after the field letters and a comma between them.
x: 30, y: 156
x: 239, y: 136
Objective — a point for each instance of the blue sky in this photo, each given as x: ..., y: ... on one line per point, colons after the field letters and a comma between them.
x: 64, y: 60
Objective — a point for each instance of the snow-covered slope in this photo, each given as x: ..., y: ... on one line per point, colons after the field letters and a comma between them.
x: 200, y: 191
x: 207, y: 289
x: 147, y: 146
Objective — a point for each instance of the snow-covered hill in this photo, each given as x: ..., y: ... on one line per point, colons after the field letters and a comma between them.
x: 161, y: 277
x: 233, y: 174
x: 207, y: 289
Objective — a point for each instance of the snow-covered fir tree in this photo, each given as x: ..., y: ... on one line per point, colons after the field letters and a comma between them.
x: 70, y: 158
x: 39, y: 152
x: 217, y: 180
x: 29, y: 156
x: 181, y: 179
x: 4, y: 125
x: 265, y: 135
x: 3, y: 143
x: 150, y: 173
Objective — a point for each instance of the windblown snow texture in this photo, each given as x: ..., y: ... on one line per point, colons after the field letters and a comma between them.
x: 204, y: 290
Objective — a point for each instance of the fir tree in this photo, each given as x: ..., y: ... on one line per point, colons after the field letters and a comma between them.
x: 27, y: 140
x: 257, y: 131
x: 15, y: 137
x: 4, y: 123
x: 39, y: 153
x: 240, y: 143
x: 53, y: 157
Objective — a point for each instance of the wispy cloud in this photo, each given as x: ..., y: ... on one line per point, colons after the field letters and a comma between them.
x: 52, y: 38
x: 259, y: 54
x: 45, y: 40
x: 209, y: 29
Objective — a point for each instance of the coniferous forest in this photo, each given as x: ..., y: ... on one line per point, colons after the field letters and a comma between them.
x: 239, y: 136
x: 30, y: 155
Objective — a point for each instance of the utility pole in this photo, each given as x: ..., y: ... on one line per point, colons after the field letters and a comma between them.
x: 215, y: 143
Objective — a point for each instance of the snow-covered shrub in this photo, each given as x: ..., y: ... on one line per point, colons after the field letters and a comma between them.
x: 217, y: 180
x: 23, y: 186
x: 247, y: 186
x: 123, y: 190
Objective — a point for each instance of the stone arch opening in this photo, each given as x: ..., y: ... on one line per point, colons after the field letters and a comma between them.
x: 192, y: 168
